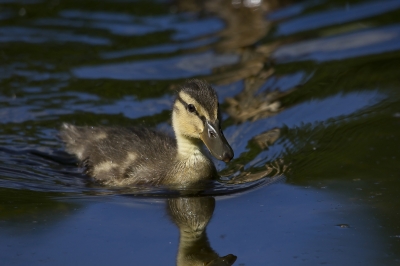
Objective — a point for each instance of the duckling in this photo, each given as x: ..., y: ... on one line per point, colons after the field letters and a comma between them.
x: 119, y: 156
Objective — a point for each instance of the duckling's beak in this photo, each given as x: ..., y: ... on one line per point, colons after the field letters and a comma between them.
x: 215, y: 141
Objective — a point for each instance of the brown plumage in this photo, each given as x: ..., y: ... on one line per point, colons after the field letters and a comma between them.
x: 126, y: 156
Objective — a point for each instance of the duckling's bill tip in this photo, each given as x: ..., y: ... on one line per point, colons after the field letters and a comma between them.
x: 227, y: 158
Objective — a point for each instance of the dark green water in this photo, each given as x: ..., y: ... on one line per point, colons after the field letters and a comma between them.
x: 310, y: 92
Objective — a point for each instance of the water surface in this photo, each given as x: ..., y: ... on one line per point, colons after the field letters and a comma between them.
x: 310, y: 97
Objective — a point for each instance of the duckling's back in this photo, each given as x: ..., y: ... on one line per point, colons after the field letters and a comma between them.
x: 121, y: 156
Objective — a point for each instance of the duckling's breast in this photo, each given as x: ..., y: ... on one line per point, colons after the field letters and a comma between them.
x: 191, y: 169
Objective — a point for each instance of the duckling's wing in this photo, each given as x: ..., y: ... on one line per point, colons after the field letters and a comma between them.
x: 124, y: 155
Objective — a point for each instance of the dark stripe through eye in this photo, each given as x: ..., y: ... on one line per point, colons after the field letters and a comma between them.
x: 191, y: 108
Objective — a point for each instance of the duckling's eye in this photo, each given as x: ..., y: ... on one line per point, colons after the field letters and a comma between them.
x: 191, y: 108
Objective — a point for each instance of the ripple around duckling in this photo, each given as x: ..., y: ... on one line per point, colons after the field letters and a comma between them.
x: 213, y: 188
x: 55, y: 171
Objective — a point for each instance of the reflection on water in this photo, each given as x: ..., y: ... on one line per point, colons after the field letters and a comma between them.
x: 309, y: 96
x: 192, y: 215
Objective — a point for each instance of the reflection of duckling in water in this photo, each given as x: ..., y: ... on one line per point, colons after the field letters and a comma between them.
x: 126, y: 156
x: 192, y: 215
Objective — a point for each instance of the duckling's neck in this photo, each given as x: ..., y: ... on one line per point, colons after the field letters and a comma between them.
x: 188, y: 148
x: 191, y: 164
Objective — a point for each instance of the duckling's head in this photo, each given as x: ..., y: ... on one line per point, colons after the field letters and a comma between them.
x: 196, y: 116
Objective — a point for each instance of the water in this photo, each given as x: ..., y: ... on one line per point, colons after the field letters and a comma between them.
x: 311, y: 106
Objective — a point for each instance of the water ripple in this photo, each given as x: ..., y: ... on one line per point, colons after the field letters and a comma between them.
x: 338, y: 16
x: 163, y: 69
x: 363, y: 43
x: 32, y: 35
x: 56, y: 171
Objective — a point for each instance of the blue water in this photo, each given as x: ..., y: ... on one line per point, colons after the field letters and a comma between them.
x: 309, y: 92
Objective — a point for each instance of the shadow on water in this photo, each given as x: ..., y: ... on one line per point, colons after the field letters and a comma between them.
x: 310, y: 101
x: 24, y: 211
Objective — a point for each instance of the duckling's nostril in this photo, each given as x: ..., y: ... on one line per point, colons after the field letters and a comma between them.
x: 212, y: 134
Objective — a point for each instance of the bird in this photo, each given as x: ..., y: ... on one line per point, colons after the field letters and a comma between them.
x: 129, y: 156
